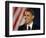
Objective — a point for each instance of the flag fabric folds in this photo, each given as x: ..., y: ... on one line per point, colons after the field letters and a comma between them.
x: 17, y: 16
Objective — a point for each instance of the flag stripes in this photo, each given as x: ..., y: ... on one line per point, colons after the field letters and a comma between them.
x: 17, y: 16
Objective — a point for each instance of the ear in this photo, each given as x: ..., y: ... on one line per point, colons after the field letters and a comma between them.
x: 33, y: 17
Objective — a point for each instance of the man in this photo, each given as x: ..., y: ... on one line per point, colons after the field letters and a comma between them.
x: 29, y: 17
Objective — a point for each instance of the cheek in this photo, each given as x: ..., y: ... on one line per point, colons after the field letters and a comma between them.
x: 29, y: 18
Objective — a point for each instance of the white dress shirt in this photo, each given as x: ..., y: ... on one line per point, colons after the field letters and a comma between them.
x: 29, y: 25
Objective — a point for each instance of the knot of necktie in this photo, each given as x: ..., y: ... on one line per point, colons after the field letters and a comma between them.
x: 28, y: 27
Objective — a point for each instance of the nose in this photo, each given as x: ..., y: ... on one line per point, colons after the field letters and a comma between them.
x: 25, y: 17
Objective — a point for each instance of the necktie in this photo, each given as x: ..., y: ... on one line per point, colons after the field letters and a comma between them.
x: 28, y: 28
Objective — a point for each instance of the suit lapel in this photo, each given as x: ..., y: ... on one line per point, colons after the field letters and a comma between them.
x: 24, y: 27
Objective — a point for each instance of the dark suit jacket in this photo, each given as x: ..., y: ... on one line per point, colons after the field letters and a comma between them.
x: 34, y: 27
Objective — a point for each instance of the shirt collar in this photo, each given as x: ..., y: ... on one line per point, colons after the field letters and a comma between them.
x: 30, y: 25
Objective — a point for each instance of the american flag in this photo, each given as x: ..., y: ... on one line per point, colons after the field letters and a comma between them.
x: 17, y: 16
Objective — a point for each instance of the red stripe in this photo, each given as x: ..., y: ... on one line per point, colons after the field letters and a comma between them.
x: 17, y: 11
x: 14, y: 10
x: 17, y: 19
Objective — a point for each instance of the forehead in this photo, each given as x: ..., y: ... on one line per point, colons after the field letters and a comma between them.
x: 27, y: 12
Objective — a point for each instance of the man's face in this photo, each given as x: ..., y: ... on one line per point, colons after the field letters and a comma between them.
x: 28, y: 17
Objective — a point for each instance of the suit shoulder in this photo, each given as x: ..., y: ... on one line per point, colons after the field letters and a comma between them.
x: 21, y: 27
x: 37, y: 27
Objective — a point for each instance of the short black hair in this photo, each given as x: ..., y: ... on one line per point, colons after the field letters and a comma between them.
x: 30, y: 10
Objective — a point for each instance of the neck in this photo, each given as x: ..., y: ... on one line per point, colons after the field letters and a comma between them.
x: 30, y: 22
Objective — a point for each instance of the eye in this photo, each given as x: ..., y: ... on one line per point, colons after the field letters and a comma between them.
x: 24, y: 15
x: 27, y: 15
